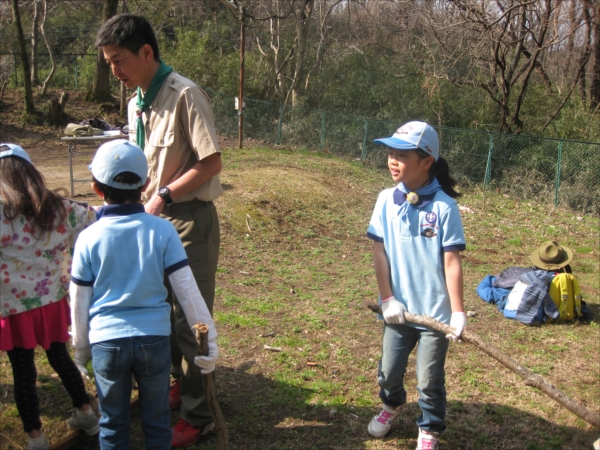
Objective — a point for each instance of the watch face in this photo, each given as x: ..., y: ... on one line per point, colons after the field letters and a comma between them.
x: 163, y: 191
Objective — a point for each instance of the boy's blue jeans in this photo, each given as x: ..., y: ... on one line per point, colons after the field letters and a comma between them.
x: 149, y: 359
x: 398, y: 342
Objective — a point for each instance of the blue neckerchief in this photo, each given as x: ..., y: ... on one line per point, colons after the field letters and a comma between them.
x: 425, y: 194
x: 126, y: 209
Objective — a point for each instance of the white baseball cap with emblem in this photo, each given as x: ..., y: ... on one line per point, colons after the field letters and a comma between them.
x: 414, y: 135
x: 116, y: 157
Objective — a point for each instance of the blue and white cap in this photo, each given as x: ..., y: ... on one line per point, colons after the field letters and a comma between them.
x: 14, y: 150
x: 116, y: 157
x: 414, y: 135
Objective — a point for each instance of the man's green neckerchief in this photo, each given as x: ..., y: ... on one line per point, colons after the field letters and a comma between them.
x: 143, y: 102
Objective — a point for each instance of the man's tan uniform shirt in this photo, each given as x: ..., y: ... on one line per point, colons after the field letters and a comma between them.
x: 180, y: 131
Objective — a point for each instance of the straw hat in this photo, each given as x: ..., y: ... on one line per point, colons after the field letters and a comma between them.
x: 551, y: 255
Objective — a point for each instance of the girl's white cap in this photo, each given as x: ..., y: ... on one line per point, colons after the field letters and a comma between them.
x: 414, y: 135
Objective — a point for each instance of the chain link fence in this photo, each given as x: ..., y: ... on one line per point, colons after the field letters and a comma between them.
x: 565, y: 173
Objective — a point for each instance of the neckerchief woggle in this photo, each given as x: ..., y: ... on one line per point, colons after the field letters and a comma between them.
x: 143, y: 102
x: 425, y: 195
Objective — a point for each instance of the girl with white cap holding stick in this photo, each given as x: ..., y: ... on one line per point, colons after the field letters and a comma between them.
x: 417, y: 234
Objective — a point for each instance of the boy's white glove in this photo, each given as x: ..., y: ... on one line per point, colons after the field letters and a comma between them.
x: 458, y: 321
x: 207, y: 363
x: 82, y: 356
x: 393, y: 311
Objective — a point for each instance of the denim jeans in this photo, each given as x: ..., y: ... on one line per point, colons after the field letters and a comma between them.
x: 398, y: 342
x: 148, y: 358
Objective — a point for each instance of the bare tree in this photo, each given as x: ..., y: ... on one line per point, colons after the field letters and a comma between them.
x: 7, y: 67
x: 287, y: 41
x: 100, y: 90
x: 49, y: 47
x: 35, y: 79
x: 28, y: 93
x: 595, y: 87
x: 498, y: 45
x: 584, y: 56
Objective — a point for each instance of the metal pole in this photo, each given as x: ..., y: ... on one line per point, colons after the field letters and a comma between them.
x: 242, y: 19
x: 363, y: 156
x: 71, y: 150
x: 558, y: 164
x: 488, y: 168
x: 322, y: 131
x: 16, y: 70
x: 278, y: 140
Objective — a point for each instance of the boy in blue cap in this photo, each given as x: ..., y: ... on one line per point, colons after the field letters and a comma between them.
x: 119, y: 314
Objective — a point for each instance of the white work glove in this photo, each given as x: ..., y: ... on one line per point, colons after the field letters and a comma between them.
x: 207, y: 363
x: 82, y: 356
x: 393, y: 311
x: 458, y: 321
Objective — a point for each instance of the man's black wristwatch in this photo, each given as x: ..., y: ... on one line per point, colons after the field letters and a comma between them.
x: 165, y: 193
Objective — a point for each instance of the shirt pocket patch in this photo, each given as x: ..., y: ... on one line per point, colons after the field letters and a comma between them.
x: 165, y: 139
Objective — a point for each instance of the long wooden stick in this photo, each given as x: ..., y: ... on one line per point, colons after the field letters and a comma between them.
x: 531, y: 379
x: 208, y: 381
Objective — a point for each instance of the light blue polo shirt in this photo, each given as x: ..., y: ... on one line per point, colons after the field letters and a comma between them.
x: 124, y: 257
x: 415, y: 248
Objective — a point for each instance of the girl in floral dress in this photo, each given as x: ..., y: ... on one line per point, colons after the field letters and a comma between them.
x: 38, y: 229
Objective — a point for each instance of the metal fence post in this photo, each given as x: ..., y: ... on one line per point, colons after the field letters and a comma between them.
x: 322, y: 131
x: 488, y: 168
x: 278, y: 139
x: 558, y: 164
x: 16, y: 70
x: 76, y: 75
x: 364, y: 147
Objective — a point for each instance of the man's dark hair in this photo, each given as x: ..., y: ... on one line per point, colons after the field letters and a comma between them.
x: 128, y: 31
x: 119, y: 196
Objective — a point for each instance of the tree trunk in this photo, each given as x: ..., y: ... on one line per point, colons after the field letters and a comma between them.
x: 302, y: 24
x: 3, y: 84
x: 50, y: 52
x: 100, y: 91
x: 56, y: 110
x: 28, y: 95
x: 595, y: 87
x: 35, y: 79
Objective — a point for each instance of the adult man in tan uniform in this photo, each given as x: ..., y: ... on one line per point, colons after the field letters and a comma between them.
x: 171, y: 119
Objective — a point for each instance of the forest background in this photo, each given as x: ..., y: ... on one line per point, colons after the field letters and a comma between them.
x: 515, y: 66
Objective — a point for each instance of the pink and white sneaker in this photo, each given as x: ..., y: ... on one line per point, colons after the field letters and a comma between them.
x: 382, y: 422
x: 428, y: 440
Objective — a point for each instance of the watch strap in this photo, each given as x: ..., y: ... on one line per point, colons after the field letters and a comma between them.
x: 165, y: 193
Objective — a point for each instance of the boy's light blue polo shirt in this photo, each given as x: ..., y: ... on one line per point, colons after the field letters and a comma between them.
x: 415, y: 249
x: 124, y: 257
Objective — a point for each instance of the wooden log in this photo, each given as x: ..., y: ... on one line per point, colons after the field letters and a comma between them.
x: 208, y: 381
x: 56, y: 109
x: 531, y: 379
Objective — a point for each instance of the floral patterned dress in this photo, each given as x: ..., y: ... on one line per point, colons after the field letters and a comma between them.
x: 34, y: 276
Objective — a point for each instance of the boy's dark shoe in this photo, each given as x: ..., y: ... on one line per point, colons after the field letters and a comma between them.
x: 175, y: 395
x: 185, y: 434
